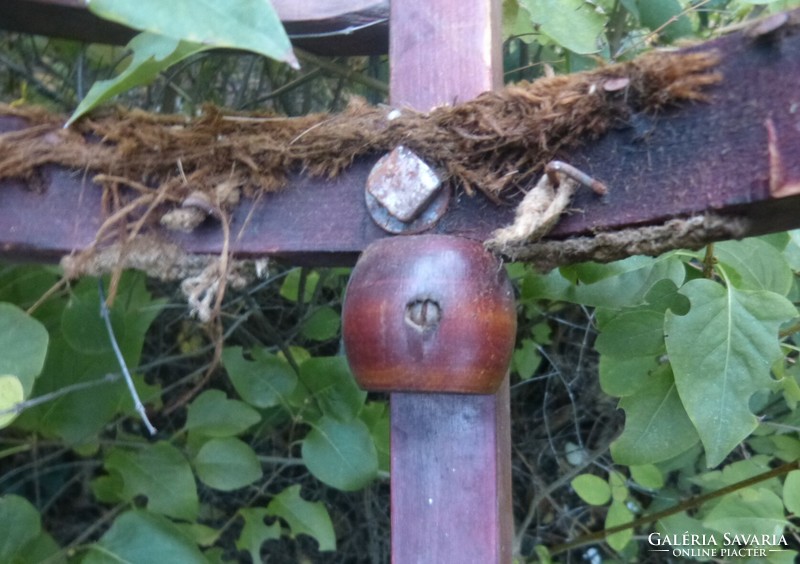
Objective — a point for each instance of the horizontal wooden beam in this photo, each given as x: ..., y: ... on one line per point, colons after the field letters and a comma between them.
x: 736, y: 156
x: 329, y: 27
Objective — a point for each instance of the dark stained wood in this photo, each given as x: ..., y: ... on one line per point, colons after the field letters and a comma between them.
x: 459, y: 334
x: 705, y: 157
x: 451, y: 454
x: 328, y: 27
x: 451, y: 478
x: 708, y: 157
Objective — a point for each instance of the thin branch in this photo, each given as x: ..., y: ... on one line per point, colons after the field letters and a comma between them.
x: 682, y: 506
x: 137, y: 403
x: 18, y: 408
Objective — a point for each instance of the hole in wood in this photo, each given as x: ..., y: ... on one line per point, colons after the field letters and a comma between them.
x: 423, y: 314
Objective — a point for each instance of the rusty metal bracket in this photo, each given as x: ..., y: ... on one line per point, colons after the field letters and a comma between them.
x: 404, y: 194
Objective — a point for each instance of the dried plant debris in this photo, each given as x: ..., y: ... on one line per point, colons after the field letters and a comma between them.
x: 495, y: 142
x: 177, y: 171
x: 652, y: 240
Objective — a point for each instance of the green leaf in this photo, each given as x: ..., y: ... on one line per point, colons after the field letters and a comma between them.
x: 227, y: 464
x: 159, y: 472
x: 376, y: 416
x: 23, y: 345
x: 11, y: 393
x: 304, y: 517
x: 573, y: 24
x: 255, y: 532
x: 666, y: 16
x: 656, y: 425
x: 749, y: 511
x: 20, y: 524
x: 77, y: 417
x: 341, y: 454
x: 83, y: 327
x: 621, y: 376
x: 139, y: 537
x: 721, y: 353
x: 526, y: 359
x: 619, y: 514
x: 638, y: 332
x: 151, y: 54
x: 756, y: 265
x: 214, y: 415
x: 334, y: 388
x: 262, y: 382
x: 322, y: 325
x: 618, y: 485
x: 591, y: 489
x: 647, y: 476
x: 791, y: 492
x: 251, y: 25
x: 290, y: 289
x: 621, y: 284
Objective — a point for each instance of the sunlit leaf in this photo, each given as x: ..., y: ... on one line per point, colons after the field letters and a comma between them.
x: 573, y: 24
x: 721, y: 353
x: 647, y: 476
x: 151, y: 54
x: 11, y: 393
x: 251, y: 25
x: 592, y: 489
x: 304, y: 517
x: 296, y: 280
x: 618, y: 514
x: 23, y: 345
x: 754, y: 264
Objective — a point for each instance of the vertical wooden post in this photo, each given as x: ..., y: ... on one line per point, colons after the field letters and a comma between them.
x: 431, y: 318
x: 451, y: 454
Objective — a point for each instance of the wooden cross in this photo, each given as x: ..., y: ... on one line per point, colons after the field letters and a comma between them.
x: 736, y: 157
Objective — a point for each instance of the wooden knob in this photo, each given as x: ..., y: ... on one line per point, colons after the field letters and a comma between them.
x: 429, y: 313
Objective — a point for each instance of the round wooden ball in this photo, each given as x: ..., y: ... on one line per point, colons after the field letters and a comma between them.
x: 429, y: 313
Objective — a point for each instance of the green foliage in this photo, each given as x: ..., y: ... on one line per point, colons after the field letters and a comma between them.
x: 573, y: 24
x: 23, y: 341
x: 303, y: 517
x: 721, y: 353
x: 158, y: 472
x: 175, y: 31
x: 227, y: 464
x: 151, y: 55
x: 140, y: 536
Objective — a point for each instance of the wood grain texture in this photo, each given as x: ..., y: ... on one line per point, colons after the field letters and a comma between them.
x: 451, y: 454
x: 462, y: 338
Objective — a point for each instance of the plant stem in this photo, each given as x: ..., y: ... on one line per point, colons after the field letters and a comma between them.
x: 682, y: 506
